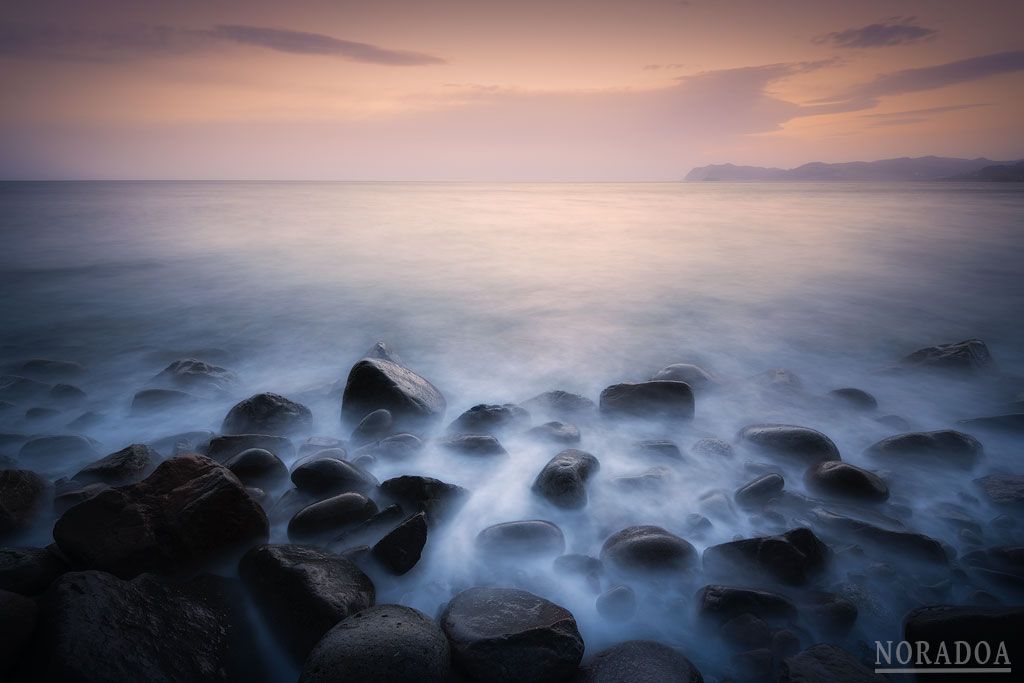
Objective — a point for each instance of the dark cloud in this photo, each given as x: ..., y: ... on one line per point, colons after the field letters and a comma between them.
x: 894, y: 31
x: 57, y: 42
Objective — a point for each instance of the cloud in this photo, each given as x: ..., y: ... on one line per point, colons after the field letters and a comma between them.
x: 131, y: 42
x: 899, y: 31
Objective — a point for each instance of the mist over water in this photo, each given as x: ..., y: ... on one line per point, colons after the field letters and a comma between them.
x: 498, y: 292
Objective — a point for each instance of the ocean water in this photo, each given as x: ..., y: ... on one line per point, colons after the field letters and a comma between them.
x: 497, y: 292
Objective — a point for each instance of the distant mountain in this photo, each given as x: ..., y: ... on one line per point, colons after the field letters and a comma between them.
x: 1001, y: 173
x: 905, y: 168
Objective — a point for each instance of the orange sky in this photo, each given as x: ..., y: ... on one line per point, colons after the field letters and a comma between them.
x: 481, y: 90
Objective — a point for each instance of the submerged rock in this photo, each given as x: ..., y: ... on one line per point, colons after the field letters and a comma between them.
x: 439, y: 500
x: 968, y: 356
x: 942, y: 447
x: 694, y: 375
x: 558, y: 432
x: 376, y: 426
x: 383, y: 643
x: 196, y: 375
x: 47, y: 369
x: 563, y: 481
x: 401, y: 548
x: 330, y: 517
x: 642, y: 549
x: 618, y: 603
x: 793, y: 558
x: 50, y: 449
x: 904, y: 544
x: 511, y: 636
x: 375, y: 383
x: 837, y: 479
x: 854, y: 398
x: 149, y: 401
x: 223, y: 448
x: 657, y: 400
x: 661, y: 449
x: 640, y: 661
x: 396, y: 447
x: 330, y: 476
x: 712, y: 448
x: 525, y: 538
x: 761, y: 490
x: 562, y: 405
x: 23, y: 497
x: 15, y: 389
x: 490, y: 419
x: 268, y: 414
x: 1012, y: 423
x: 802, y: 444
x: 127, y: 466
x: 473, y: 444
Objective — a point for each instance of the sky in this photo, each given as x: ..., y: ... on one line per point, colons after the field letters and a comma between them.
x: 485, y: 90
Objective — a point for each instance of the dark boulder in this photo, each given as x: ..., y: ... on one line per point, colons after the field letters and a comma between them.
x: 1003, y: 489
x: 439, y: 500
x: 70, y: 493
x: 29, y: 571
x: 490, y: 419
x: 760, y: 491
x: 556, y: 432
x: 653, y: 480
x: 258, y: 467
x: 302, y: 592
x: 746, y: 631
x: 23, y: 497
x: 793, y: 558
x: 196, y: 375
x: 641, y: 661
x: 801, y: 444
x: 18, y: 615
x: 505, y: 635
x: 942, y: 447
x: 640, y: 549
x: 968, y: 356
x: 660, y: 400
x: 561, y: 405
x: 521, y: 539
x: 190, y: 510
x: 857, y: 399
x: 383, y: 643
x: 149, y: 401
x: 374, y: 383
x: 824, y: 663
x: 478, y: 445
x: 329, y: 475
x: 697, y: 377
x: 833, y: 616
x: 563, y: 481
x: 127, y: 466
x: 268, y: 414
x: 376, y: 426
x: 37, y: 415
x: 401, y: 548
x: 903, y: 544
x: 369, y: 532
x: 330, y: 517
x: 719, y: 604
x: 973, y: 625
x: 51, y: 450
x: 618, y: 603
x: 835, y: 479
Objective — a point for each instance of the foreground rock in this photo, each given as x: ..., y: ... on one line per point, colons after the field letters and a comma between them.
x: 18, y: 616
x: 835, y: 479
x: 303, y: 592
x: 490, y: 419
x: 189, y: 511
x: 258, y: 467
x: 656, y: 400
x: 329, y: 518
x: 268, y: 414
x: 823, y: 662
x: 974, y: 625
x: 647, y: 549
x: 383, y: 643
x: 563, y: 481
x: 328, y: 476
x: 942, y: 447
x: 720, y: 604
x: 793, y: 558
x: 511, y: 636
x: 23, y: 497
x: 375, y: 383
x: 641, y: 661
x: 96, y: 627
x: 522, y: 539
x: 29, y: 571
x: 401, y: 548
x: 801, y: 444
x: 970, y: 356
x: 439, y: 500
x: 127, y: 466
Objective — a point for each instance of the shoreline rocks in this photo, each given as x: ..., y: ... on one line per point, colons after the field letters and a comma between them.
x: 563, y: 480
x: 654, y: 400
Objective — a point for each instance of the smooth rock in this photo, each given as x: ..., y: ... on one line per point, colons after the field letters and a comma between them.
x: 223, y: 448
x: 659, y: 400
x: 760, y: 491
x: 329, y: 476
x: 376, y: 426
x: 557, y: 432
x: 618, y: 603
x: 374, y: 383
x: 258, y: 467
x: 903, y: 544
x: 793, y: 558
x: 490, y: 419
x: 477, y: 445
x: 522, y: 539
x: 47, y: 369
x: 48, y: 450
x: 942, y: 447
x: 970, y: 356
x: 561, y: 405
x: 268, y: 414
x: 801, y: 444
x: 694, y: 375
x: 330, y: 517
x: 857, y: 399
x: 660, y: 449
x: 401, y: 548
x: 127, y: 466
x: 393, y: 448
x: 439, y: 500
x: 563, y: 481
x: 721, y: 603
x: 149, y: 401
x: 647, y: 549
x: 835, y: 479
x: 639, y: 661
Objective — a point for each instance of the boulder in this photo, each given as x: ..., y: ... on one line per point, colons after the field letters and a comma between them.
x: 746, y: 631
x: 1003, y: 489
x: 712, y: 448
x: 196, y: 375
x: 824, y: 662
x: 793, y: 558
x: 478, y: 445
x: 642, y: 661
x: 36, y: 415
x: 223, y: 448
x: 563, y: 481
x: 504, y: 635
x: 401, y: 548
x: 439, y: 500
x: 374, y: 383
x: 302, y: 592
x: 561, y: 405
x: 23, y: 497
x: 330, y: 476
x: 970, y: 356
x: 51, y: 450
x: 490, y: 419
x: 618, y: 603
x: 658, y: 400
x: 942, y: 447
x: 149, y: 401
x: 268, y: 414
x: 18, y: 616
x: 330, y: 517
x: 835, y: 479
x: 383, y: 643
x: 858, y: 399
x: 71, y: 493
x: 556, y: 432
x: 643, y: 549
x: 833, y: 616
x: 369, y: 532
x: 190, y: 510
x: 521, y: 539
x: 258, y: 467
x: 902, y: 544
x: 800, y: 444
x: 127, y: 466
x: 948, y: 624
x: 376, y: 426
x: 760, y: 491
x: 719, y: 604
x: 697, y: 377
x: 894, y: 422
x: 29, y: 571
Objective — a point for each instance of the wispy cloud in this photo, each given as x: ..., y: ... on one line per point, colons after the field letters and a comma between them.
x: 32, y: 41
x: 925, y: 112
x: 893, y: 31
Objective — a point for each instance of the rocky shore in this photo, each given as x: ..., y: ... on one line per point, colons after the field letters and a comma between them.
x: 209, y: 554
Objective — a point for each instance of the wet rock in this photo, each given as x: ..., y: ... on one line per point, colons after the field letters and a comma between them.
x: 376, y: 426
x: 439, y: 500
x: 746, y: 631
x: 1012, y: 423
x: 149, y: 401
x: 526, y: 538
x: 507, y: 635
x: 23, y: 497
x: 29, y: 571
x: 792, y: 558
x: 127, y: 466
x: 396, y: 447
x: 330, y: 517
x: 401, y: 548
x: 618, y: 603
x: 372, y: 530
x: 563, y: 480
x: 760, y: 491
x: 823, y: 662
x: 903, y: 543
x: 853, y: 398
x: 801, y: 444
x: 481, y: 445
x: 190, y: 510
x: 647, y: 549
x: 562, y: 405
x: 970, y: 356
x: 490, y: 419
x: 96, y: 627
x: 661, y: 449
x: 557, y: 432
x: 268, y: 414
x: 712, y: 448
x: 195, y: 375
x: 258, y: 467
x: 223, y: 448
x: 660, y: 400
x: 719, y: 604
x: 375, y: 383
x: 942, y: 447
x: 697, y: 377
x: 303, y: 592
x: 328, y: 475
x: 1003, y: 489
x: 46, y: 450
x: 640, y: 661
x: 382, y: 643
x: 290, y: 502
x: 47, y: 369
x: 835, y: 479
x: 18, y: 616
x: 73, y: 493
